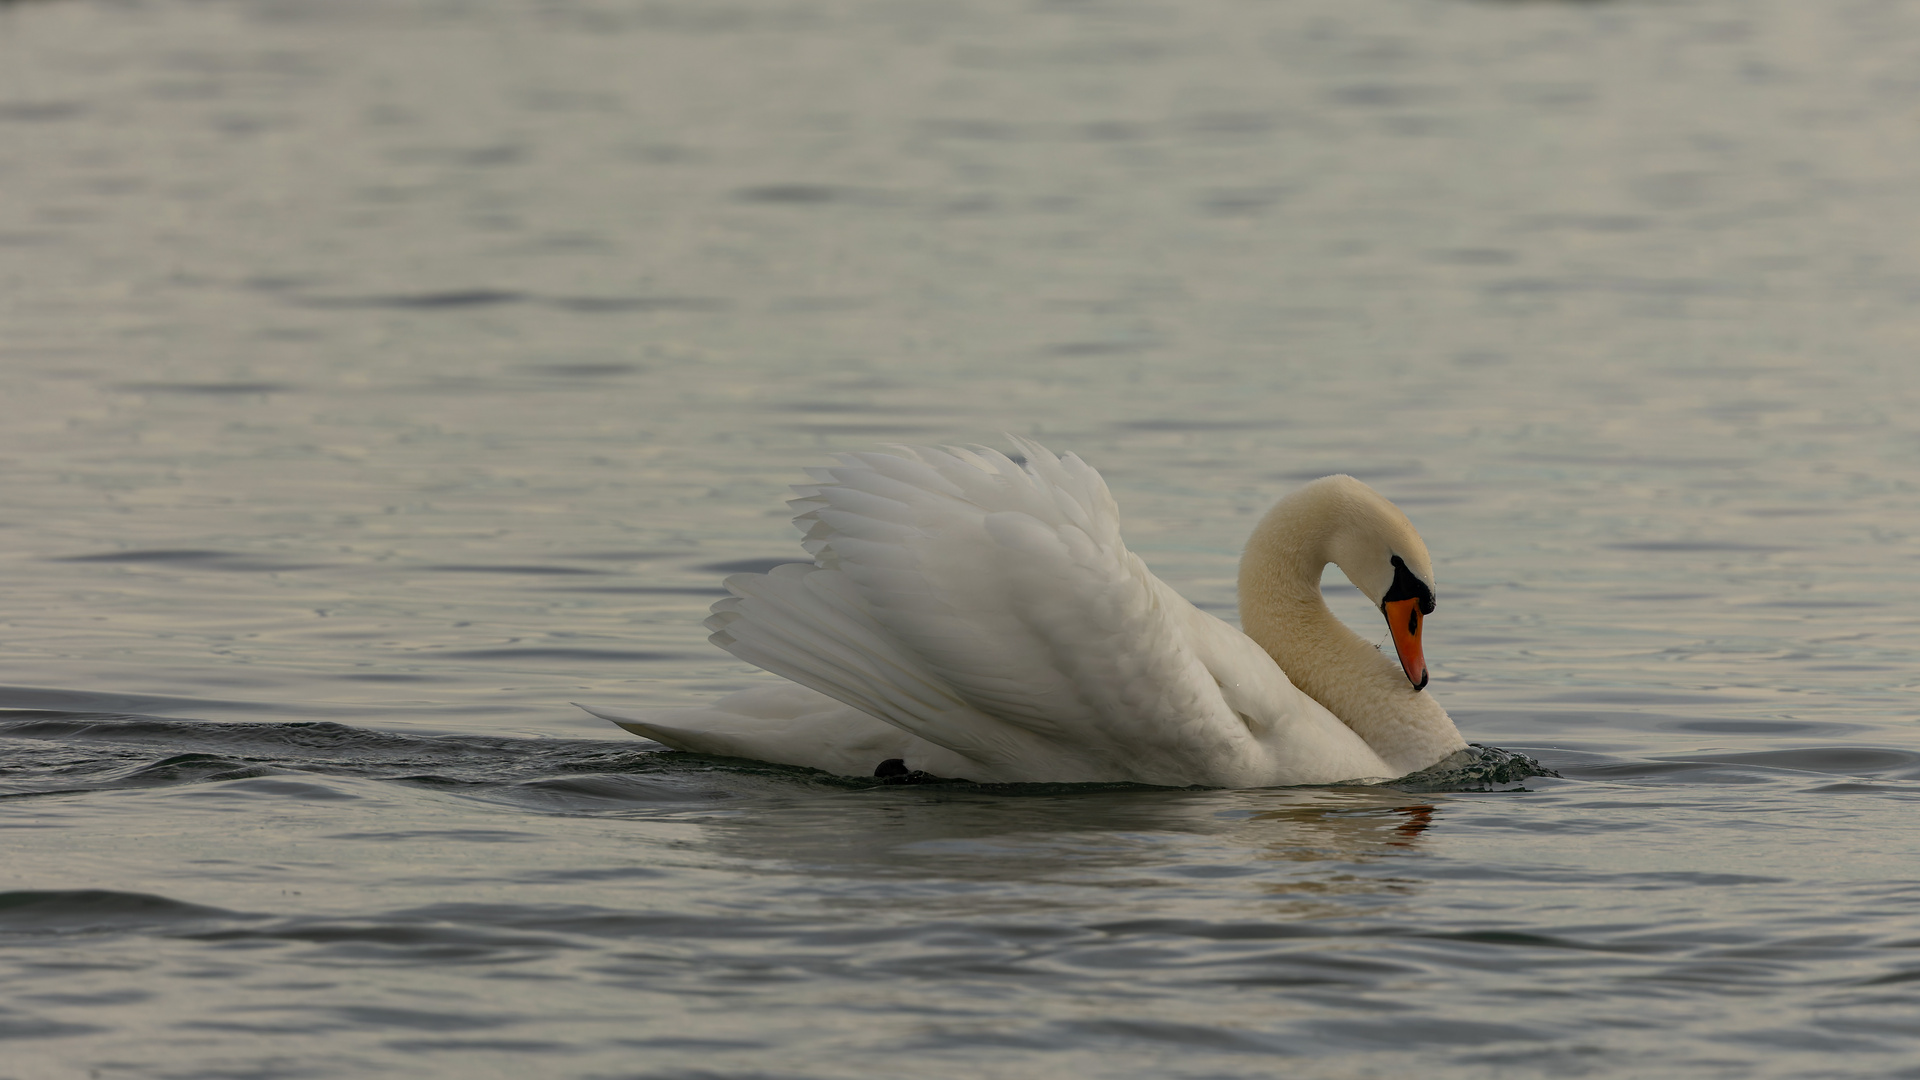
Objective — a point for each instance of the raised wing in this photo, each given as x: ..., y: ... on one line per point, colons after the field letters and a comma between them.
x: 992, y: 608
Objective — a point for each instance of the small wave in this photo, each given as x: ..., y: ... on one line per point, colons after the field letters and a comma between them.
x: 189, y: 769
x: 74, y: 753
x: 1477, y: 768
x: 76, y: 911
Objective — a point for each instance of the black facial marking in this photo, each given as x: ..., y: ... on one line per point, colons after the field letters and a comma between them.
x: 1408, y: 587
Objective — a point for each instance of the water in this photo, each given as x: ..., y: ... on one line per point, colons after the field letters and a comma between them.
x: 382, y: 377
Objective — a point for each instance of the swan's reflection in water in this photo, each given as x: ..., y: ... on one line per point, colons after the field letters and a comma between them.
x: 1316, y: 851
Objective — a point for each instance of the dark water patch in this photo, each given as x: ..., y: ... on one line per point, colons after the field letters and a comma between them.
x: 586, y: 371
x: 124, y: 996
x: 980, y: 130
x: 157, y: 555
x: 419, y: 1019
x: 275, y: 283
x: 1098, y: 348
x: 605, y: 873
x: 40, y: 112
x: 466, y: 157
x: 79, y: 911
x: 491, y: 1046
x: 1186, y: 1037
x: 1383, y: 95
x: 507, y: 568
x: 747, y: 566
x: 1601, y: 223
x: 195, y: 558
x: 1527, y: 940
x: 802, y: 194
x: 649, y: 590
x: 209, y: 389
x: 451, y: 299
x: 675, y: 1042
x: 1408, y: 1032
x: 39, y: 1027
x: 542, y: 652
x: 458, y: 299
x: 1210, y: 931
x: 611, y: 305
x: 1891, y: 978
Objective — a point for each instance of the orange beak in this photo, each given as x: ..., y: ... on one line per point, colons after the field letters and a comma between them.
x: 1403, y: 618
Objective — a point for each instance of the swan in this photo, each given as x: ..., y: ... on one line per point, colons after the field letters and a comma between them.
x: 967, y: 615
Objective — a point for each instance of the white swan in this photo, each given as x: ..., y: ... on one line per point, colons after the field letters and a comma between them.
x: 969, y: 617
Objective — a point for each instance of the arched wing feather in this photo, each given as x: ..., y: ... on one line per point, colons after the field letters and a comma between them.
x: 984, y: 604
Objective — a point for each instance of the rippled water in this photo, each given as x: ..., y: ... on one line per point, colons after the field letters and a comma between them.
x: 381, y: 377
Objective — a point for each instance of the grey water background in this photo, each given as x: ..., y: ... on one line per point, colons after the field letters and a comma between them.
x: 380, y: 377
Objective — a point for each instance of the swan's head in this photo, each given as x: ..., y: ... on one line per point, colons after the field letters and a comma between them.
x: 1375, y: 545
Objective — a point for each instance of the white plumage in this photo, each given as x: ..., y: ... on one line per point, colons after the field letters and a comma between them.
x: 980, y: 618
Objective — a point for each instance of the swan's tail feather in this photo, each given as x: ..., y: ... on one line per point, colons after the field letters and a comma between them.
x: 659, y: 726
x: 790, y: 725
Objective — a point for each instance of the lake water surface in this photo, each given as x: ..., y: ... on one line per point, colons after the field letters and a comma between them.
x: 383, y: 375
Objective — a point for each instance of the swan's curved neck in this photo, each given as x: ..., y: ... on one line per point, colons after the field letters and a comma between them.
x: 1281, y: 609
